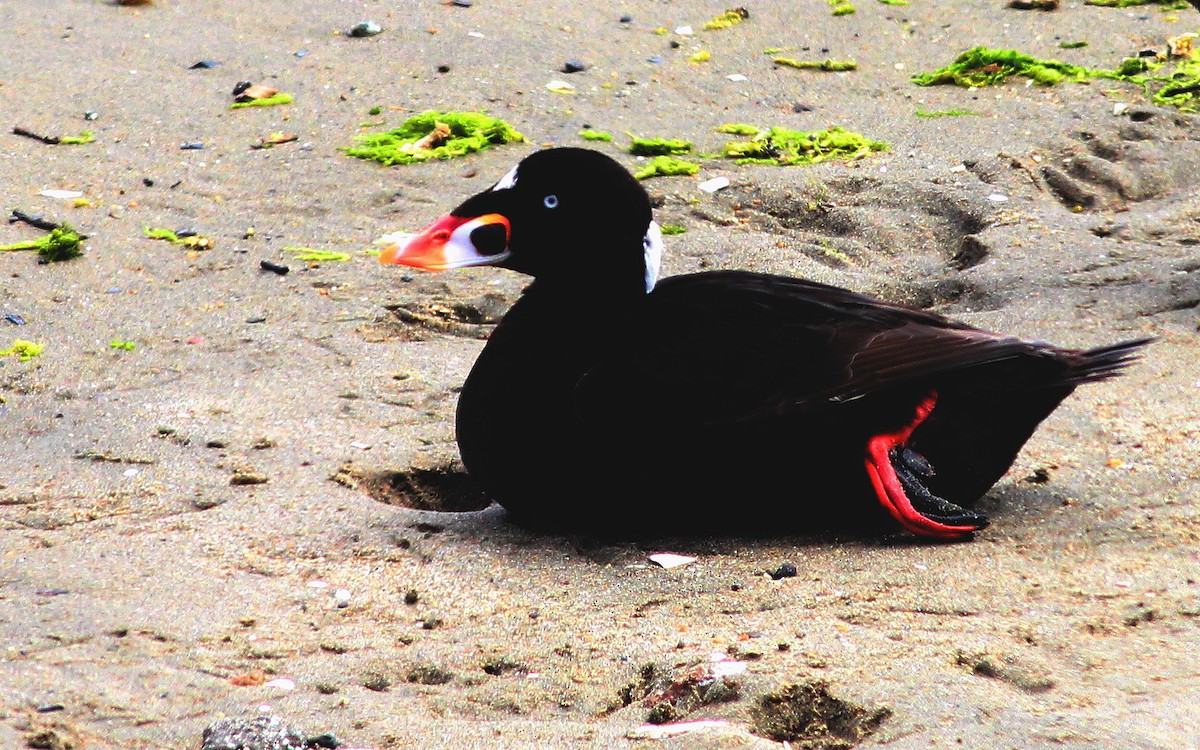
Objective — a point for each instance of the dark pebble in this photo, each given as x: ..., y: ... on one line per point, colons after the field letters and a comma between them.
x: 191, y: 146
x: 186, y: 232
x: 50, y: 708
x: 573, y: 66
x: 406, y: 276
x: 787, y: 570
x: 1148, y: 53
x: 91, y: 115
x: 301, y: 53
x: 365, y: 28
x: 15, y: 319
x: 203, y: 65
x: 443, y: 68
x: 655, y: 59
x: 626, y: 18
x: 51, y: 592
x: 735, y: 587
x: 462, y: 3
x: 257, y: 319
x: 214, y: 444
x: 147, y: 182
x: 412, y: 596
x: 241, y: 86
x: 324, y: 740
x: 675, y: 44
x: 801, y: 107
x: 267, y: 265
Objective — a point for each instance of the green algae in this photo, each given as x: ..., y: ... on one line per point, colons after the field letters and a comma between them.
x: 25, y: 350
x: 842, y: 7
x: 1073, y: 45
x: 795, y: 147
x: 85, y: 136
x: 62, y: 243
x: 312, y: 255
x: 1182, y: 87
x: 658, y: 146
x: 194, y: 241
x: 829, y: 66
x: 595, y: 135
x: 410, y: 143
x: 739, y: 128
x: 266, y: 101
x: 670, y: 229
x: 731, y: 17
x: 123, y: 345
x: 666, y: 166
x: 981, y: 66
x: 894, y: 2
x: 700, y: 56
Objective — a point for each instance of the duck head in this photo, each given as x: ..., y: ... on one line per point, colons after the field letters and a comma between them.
x: 564, y: 216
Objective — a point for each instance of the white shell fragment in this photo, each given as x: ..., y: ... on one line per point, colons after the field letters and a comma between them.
x: 342, y: 595
x: 715, y: 184
x: 282, y: 683
x: 997, y: 197
x: 737, y: 78
x: 670, y: 560
x: 664, y: 731
x: 684, y: 31
x: 317, y: 584
x: 62, y: 195
x: 560, y: 87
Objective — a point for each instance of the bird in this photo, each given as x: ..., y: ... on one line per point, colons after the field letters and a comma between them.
x: 609, y: 401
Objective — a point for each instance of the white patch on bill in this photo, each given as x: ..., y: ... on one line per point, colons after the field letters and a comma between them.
x: 652, y: 246
x: 507, y: 182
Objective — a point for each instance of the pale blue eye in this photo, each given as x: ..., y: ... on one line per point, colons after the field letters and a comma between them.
x: 550, y: 201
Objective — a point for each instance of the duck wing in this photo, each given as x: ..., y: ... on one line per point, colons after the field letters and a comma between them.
x: 733, y: 346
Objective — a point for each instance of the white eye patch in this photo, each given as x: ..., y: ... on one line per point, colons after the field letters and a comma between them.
x: 507, y: 182
x: 652, y: 247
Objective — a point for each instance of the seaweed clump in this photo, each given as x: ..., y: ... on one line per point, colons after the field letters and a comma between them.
x: 595, y: 135
x: 658, y: 146
x: 731, y: 17
x: 63, y: 243
x: 808, y: 716
x: 828, y: 66
x: 666, y: 166
x: 25, y: 350
x: 434, y: 135
x: 793, y: 147
x: 982, y: 66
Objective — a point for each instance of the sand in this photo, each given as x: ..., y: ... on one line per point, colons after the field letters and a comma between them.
x: 137, y: 583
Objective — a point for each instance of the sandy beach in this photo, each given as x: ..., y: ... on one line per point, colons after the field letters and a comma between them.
x: 225, y: 492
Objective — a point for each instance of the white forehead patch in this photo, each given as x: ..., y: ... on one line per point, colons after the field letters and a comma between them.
x: 652, y: 247
x: 506, y: 182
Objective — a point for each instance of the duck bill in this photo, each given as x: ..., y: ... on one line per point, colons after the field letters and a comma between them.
x: 453, y: 242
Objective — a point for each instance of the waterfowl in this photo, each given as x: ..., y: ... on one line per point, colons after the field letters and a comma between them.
x: 608, y: 400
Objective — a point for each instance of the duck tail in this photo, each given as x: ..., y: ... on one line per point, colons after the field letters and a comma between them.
x: 1104, y: 362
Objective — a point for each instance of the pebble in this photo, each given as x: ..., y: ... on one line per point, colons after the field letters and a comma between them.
x: 997, y: 197
x: 282, y: 683
x: 737, y: 77
x: 443, y: 68
x: 715, y: 184
x: 684, y: 31
x: 786, y: 570
x: 669, y: 560
x: 461, y: 3
x: 261, y: 733
x: 365, y: 28
x: 64, y: 195
x: 15, y: 319
x: 203, y: 65
x: 195, y: 146
x: 655, y: 59
x: 301, y: 53
x: 267, y: 265
x: 90, y: 115
x: 573, y: 66
x: 626, y: 18
x: 50, y: 708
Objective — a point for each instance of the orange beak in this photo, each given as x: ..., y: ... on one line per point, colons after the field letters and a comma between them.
x: 453, y: 242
